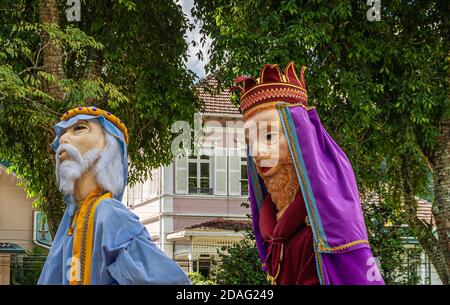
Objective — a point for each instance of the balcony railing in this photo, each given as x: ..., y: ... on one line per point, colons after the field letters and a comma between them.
x: 198, y: 190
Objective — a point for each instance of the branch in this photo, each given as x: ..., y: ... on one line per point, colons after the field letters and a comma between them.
x: 29, y: 69
x: 39, y: 52
x: 424, y: 234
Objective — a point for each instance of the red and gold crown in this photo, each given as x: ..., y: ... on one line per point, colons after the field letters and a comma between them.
x: 272, y: 86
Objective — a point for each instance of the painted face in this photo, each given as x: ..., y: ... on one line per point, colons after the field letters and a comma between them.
x: 85, y: 135
x: 267, y: 143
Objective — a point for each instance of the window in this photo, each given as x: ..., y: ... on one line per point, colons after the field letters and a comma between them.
x: 199, y: 181
x: 143, y: 191
x: 204, y: 266
x: 134, y: 194
x: 244, y: 179
x: 222, y: 174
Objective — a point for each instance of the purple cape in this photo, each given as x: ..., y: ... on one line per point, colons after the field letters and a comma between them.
x: 330, y: 192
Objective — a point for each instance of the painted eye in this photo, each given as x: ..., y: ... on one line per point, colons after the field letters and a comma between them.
x: 270, y: 137
x: 79, y: 127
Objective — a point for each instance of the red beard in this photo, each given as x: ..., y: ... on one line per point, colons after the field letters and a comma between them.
x: 282, y: 186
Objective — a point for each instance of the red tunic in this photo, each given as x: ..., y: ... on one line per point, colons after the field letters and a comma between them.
x: 290, y: 243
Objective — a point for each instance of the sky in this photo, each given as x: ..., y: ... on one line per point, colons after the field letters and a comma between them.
x: 193, y: 63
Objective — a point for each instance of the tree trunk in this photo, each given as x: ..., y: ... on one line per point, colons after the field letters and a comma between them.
x: 429, y: 243
x: 54, y: 206
x: 49, y: 14
x: 95, y: 64
x: 441, y: 177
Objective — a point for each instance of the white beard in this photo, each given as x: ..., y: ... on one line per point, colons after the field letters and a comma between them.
x: 109, y: 170
x: 110, y: 167
x: 68, y: 171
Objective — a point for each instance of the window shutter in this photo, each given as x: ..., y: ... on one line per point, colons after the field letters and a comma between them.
x: 234, y: 170
x: 153, y: 184
x: 220, y: 171
x: 181, y: 175
x: 146, y: 190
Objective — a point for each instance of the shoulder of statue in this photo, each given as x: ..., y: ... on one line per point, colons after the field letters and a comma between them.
x: 113, y: 209
x: 116, y: 222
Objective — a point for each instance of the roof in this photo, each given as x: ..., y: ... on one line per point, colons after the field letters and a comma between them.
x: 424, y: 212
x: 11, y: 248
x: 222, y: 224
x: 5, y: 166
x: 216, y: 102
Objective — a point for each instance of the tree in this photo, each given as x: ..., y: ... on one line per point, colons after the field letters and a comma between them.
x: 197, y: 278
x: 125, y: 56
x: 387, y: 236
x: 240, y: 264
x: 381, y: 88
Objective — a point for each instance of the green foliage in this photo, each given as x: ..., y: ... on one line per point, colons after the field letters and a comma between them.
x: 198, y: 279
x: 27, y: 269
x: 127, y: 57
x: 387, y: 237
x: 380, y: 88
x: 240, y: 264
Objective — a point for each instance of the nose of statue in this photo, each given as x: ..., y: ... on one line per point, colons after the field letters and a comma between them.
x: 63, y: 139
x: 260, y: 151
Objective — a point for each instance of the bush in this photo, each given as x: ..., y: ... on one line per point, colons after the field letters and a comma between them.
x: 241, y: 264
x: 26, y: 269
x: 198, y: 279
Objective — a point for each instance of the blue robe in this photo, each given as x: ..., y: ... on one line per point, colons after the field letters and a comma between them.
x: 122, y: 253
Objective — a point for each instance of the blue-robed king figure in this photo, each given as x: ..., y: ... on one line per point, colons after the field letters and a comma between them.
x: 99, y: 241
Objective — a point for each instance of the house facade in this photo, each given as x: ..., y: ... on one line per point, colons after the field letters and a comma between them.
x: 16, y: 212
x: 16, y: 222
x: 206, y: 187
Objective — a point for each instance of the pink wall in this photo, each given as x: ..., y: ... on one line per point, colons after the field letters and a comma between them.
x: 208, y: 208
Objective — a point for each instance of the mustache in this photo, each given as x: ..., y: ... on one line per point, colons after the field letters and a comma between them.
x: 69, y: 170
x: 73, y: 153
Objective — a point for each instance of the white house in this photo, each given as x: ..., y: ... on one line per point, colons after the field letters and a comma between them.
x: 208, y: 188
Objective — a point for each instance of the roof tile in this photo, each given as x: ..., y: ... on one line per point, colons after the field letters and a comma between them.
x: 215, y: 103
x: 222, y: 224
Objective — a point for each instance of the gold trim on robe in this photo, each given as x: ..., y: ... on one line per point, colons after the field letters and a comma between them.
x: 80, y: 272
